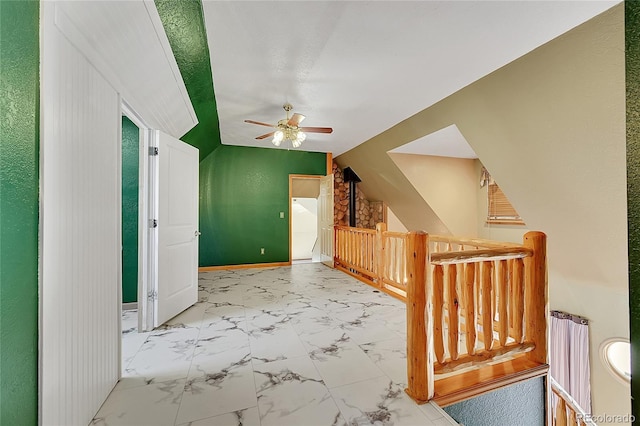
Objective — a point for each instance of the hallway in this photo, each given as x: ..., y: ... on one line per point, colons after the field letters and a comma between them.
x: 301, y: 345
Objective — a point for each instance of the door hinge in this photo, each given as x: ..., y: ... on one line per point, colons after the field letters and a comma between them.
x: 153, y: 150
x: 152, y: 296
x: 153, y: 223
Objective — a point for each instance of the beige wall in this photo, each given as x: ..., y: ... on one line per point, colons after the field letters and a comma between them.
x: 393, y: 223
x: 550, y: 127
x: 448, y: 185
x: 494, y: 231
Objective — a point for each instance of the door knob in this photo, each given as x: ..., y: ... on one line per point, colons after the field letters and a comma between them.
x: 197, y: 233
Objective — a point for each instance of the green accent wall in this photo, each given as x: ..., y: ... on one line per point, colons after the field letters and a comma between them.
x: 242, y: 192
x: 183, y: 23
x: 632, y: 41
x: 130, y: 176
x: 19, y: 152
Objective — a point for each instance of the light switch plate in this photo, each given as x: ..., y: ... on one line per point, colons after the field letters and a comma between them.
x: 281, y: 215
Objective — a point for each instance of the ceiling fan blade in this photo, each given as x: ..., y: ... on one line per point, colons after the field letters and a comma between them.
x: 316, y: 129
x: 296, y: 119
x: 266, y: 135
x: 259, y: 123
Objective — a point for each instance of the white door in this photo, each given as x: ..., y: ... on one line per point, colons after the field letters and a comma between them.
x: 325, y: 220
x: 177, y: 226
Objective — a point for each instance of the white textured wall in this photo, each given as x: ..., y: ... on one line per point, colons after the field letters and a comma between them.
x: 79, y: 232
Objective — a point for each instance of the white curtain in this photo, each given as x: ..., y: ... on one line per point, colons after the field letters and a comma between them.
x: 569, y: 356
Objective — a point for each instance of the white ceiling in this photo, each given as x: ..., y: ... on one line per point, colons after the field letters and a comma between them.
x: 447, y: 142
x: 364, y: 66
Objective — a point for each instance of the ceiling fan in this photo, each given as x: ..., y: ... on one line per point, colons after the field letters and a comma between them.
x: 289, y: 129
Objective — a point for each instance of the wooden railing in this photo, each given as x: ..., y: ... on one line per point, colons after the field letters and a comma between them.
x: 377, y: 257
x: 485, y: 303
x: 567, y: 411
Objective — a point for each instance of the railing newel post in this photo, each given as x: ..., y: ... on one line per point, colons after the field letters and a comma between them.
x: 419, y: 340
x: 536, y: 306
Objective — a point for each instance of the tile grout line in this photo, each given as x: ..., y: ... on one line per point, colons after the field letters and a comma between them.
x: 175, y: 420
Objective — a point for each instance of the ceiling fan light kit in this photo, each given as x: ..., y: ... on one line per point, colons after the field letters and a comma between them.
x: 288, y: 129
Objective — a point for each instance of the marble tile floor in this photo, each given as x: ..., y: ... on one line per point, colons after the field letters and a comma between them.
x: 302, y: 345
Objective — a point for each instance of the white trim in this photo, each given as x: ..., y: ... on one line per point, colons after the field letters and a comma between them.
x: 130, y: 306
x: 153, y: 178
x: 144, y: 244
x: 119, y: 237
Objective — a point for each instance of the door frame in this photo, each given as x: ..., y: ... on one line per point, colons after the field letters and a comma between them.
x: 291, y: 179
x: 145, y: 244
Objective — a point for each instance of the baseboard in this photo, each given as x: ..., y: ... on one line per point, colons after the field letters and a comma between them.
x: 245, y: 266
x: 130, y: 306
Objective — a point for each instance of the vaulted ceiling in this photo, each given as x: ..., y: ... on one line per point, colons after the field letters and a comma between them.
x: 361, y: 67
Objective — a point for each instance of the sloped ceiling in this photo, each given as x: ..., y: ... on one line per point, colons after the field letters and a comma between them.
x: 362, y: 67
x: 550, y: 128
x: 127, y: 41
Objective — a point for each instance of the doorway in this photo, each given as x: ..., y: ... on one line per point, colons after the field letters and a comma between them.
x: 304, y: 230
x: 136, y: 245
x: 130, y: 170
x: 304, y: 191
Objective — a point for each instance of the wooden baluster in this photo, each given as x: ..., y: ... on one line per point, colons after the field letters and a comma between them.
x: 375, y: 248
x: 363, y: 250
x: 400, y: 262
x: 536, y: 307
x: 454, y: 310
x: 390, y: 259
x: 561, y: 413
x: 380, y: 252
x: 366, y: 259
x: 518, y: 299
x: 511, y: 293
x: 352, y: 245
x: 487, y: 304
x: 419, y: 360
x: 438, y: 318
x: 347, y: 246
x: 357, y: 245
x: 343, y: 249
x: 373, y: 255
x: 573, y: 420
x: 393, y: 260
x: 403, y: 268
x: 470, y: 307
x: 494, y: 290
x: 338, y: 245
x: 503, y: 325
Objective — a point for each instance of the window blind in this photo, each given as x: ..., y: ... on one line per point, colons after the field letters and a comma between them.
x: 500, y: 209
